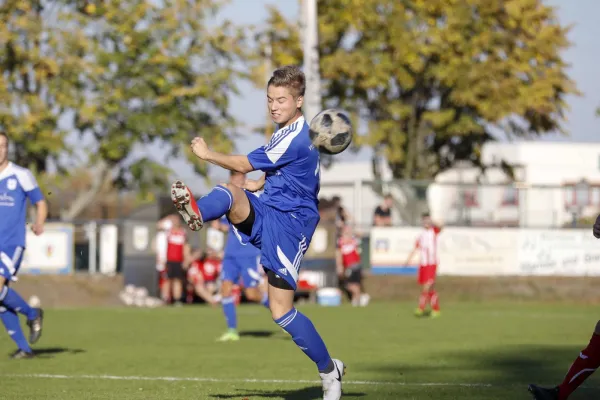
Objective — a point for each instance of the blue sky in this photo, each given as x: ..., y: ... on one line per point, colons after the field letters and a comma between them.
x: 583, y: 56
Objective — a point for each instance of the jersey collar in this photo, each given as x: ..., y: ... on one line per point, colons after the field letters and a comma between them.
x: 8, y: 171
x: 300, y: 120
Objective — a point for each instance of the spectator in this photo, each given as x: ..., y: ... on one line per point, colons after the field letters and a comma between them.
x: 383, y: 213
x: 341, y: 216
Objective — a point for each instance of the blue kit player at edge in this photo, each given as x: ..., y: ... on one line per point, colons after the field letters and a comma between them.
x: 17, y: 184
x: 282, y: 221
x: 240, y: 262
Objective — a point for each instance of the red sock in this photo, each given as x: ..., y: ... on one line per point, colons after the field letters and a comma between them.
x: 584, y: 366
x: 423, y: 300
x: 434, y: 300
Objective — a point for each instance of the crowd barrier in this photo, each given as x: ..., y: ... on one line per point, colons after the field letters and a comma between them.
x: 491, y: 251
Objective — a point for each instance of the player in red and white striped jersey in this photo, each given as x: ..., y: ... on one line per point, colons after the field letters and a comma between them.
x: 349, y: 265
x: 427, y: 247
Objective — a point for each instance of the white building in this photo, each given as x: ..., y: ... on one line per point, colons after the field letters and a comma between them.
x: 553, y: 181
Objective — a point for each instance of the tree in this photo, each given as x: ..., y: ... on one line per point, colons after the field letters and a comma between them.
x: 119, y: 75
x: 434, y: 79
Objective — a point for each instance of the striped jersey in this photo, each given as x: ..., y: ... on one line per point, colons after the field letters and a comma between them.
x: 427, y: 243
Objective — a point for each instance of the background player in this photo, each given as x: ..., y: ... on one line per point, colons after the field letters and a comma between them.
x: 349, y: 265
x: 427, y: 245
x: 178, y: 253
x: 240, y: 262
x: 202, y: 274
x: 282, y: 221
x: 583, y: 366
x: 17, y: 184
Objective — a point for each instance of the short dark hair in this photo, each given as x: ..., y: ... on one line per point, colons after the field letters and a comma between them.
x: 290, y: 77
x: 234, y: 173
x: 4, y: 135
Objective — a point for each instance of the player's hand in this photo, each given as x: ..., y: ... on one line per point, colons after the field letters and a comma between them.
x: 596, y: 228
x: 38, y: 229
x: 200, y: 148
x: 252, y: 185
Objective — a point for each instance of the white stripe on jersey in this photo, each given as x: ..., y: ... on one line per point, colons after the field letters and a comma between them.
x: 428, y: 246
x: 274, y: 153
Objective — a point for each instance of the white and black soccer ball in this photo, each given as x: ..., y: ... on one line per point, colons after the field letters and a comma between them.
x: 331, y: 131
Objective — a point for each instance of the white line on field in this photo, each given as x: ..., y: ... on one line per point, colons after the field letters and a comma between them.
x: 239, y: 380
x: 247, y: 380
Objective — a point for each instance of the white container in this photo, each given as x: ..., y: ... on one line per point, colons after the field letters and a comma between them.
x: 329, y: 297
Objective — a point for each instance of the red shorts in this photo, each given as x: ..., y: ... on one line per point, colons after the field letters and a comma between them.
x: 427, y: 274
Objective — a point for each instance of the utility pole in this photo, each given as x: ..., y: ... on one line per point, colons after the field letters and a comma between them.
x: 310, y: 47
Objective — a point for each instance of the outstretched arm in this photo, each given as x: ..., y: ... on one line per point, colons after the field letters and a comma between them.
x: 236, y: 163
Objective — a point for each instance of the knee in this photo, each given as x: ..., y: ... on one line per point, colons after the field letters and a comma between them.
x: 226, y: 288
x: 278, y: 309
x: 253, y: 294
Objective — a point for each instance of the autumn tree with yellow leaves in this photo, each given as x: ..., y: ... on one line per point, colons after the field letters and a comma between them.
x: 92, y: 81
x: 436, y: 79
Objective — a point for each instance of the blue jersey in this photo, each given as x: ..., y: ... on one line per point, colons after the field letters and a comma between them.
x: 292, y: 167
x: 234, y: 248
x: 17, y: 184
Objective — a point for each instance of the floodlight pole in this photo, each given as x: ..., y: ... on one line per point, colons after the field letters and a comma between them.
x: 310, y: 46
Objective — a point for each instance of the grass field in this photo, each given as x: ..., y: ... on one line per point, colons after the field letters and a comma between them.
x: 474, y: 351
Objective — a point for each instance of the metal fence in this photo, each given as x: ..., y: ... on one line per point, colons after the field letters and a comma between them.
x: 506, y: 205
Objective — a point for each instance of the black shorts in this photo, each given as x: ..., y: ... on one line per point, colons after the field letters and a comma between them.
x: 353, y: 275
x: 175, y: 270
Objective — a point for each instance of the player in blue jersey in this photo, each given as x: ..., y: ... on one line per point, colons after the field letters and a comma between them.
x: 282, y: 221
x: 240, y: 262
x: 17, y: 184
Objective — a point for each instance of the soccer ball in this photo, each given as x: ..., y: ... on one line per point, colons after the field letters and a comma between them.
x: 331, y: 131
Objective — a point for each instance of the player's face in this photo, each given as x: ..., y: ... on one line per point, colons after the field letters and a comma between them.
x: 283, y: 105
x: 427, y: 222
x: 3, y: 149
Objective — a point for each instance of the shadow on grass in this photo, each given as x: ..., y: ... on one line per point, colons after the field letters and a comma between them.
x: 307, y: 393
x: 506, y: 367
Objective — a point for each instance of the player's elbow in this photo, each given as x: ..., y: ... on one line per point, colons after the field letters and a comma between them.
x: 244, y: 166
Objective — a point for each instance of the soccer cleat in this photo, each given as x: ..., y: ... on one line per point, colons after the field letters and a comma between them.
x: 186, y: 205
x: 229, y: 336
x: 419, y: 312
x: 35, y: 326
x: 436, y: 314
x: 540, y: 393
x: 332, y: 382
x: 21, y: 354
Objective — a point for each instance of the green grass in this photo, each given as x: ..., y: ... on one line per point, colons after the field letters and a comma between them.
x: 474, y: 351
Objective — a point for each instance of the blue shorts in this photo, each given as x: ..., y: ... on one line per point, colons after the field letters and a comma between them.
x: 10, y: 261
x: 282, y: 238
x: 244, y: 268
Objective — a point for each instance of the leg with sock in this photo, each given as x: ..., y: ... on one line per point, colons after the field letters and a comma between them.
x: 13, y: 300
x: 11, y: 322
x: 306, y: 337
x: 584, y: 366
x: 215, y: 204
x: 434, y: 302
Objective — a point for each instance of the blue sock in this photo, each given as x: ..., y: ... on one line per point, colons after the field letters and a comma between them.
x: 14, y: 301
x: 228, y: 304
x: 11, y: 322
x: 306, y: 337
x: 265, y: 300
x: 215, y: 204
